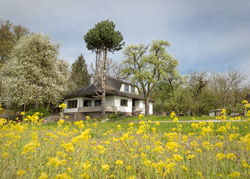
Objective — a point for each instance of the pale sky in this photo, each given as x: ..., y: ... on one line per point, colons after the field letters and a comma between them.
x: 211, y: 35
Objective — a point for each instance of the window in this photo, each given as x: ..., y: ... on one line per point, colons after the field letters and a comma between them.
x: 86, y: 103
x: 126, y: 88
x: 132, y: 89
x: 98, y: 102
x: 72, y: 104
x: 124, y: 102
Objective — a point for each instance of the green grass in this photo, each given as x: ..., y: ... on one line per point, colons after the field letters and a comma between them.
x: 166, y: 118
x: 162, y: 128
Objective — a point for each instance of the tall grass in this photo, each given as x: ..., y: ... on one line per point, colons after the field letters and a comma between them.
x: 87, y: 149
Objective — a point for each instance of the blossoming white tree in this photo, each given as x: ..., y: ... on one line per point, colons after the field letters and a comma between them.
x: 34, y: 75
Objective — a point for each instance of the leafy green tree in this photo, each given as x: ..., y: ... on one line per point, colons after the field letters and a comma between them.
x: 148, y: 69
x: 34, y: 76
x: 79, y: 73
x: 9, y: 35
x: 101, y: 39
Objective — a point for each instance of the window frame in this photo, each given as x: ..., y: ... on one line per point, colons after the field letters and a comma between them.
x: 126, y: 85
x: 122, y: 104
x: 98, y: 100
x: 87, y: 100
x: 71, y: 104
x: 132, y: 89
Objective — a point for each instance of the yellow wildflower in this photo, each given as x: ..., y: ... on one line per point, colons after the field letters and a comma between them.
x: 234, y: 174
x: 140, y: 116
x: 119, y: 162
x: 87, y: 118
x: 20, y: 172
x: 175, y: 119
x: 129, y: 167
x: 63, y: 176
x: 43, y: 176
x: 177, y: 157
x: 86, y: 165
x: 22, y: 113
x: 54, y: 161
x: 190, y: 156
x: 68, y: 147
x: 62, y: 106
x: 184, y: 168
x: 31, y: 146
x: 231, y: 156
x: 220, y: 156
x: 85, y: 175
x: 172, y: 115
x: 105, y: 167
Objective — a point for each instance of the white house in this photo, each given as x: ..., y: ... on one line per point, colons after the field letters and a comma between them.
x: 120, y: 97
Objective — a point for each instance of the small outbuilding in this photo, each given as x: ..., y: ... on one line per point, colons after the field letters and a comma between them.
x: 215, y: 112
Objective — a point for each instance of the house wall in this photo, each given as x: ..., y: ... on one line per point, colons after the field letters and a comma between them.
x: 112, y: 101
x: 72, y: 110
x: 150, y: 108
x: 140, y: 107
x: 125, y: 109
x: 212, y: 114
x: 129, y: 89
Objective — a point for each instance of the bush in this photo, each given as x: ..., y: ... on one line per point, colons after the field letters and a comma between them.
x: 40, y: 110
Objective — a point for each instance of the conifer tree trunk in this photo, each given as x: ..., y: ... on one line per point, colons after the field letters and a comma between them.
x: 103, y: 83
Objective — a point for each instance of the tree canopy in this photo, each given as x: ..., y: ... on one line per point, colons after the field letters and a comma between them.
x: 9, y: 35
x: 34, y: 75
x: 104, y: 36
x: 148, y: 65
x: 79, y: 74
x: 101, y: 39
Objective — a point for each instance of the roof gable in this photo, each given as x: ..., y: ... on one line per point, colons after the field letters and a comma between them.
x: 113, y: 87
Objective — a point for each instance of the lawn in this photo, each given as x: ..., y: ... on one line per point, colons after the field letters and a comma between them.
x: 91, y: 149
x: 168, y: 118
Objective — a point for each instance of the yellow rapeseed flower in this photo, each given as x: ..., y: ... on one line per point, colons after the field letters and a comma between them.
x: 22, y: 113
x: 63, y: 176
x: 20, y: 172
x: 231, y: 156
x: 220, y: 156
x: 119, y: 162
x: 30, y: 147
x: 43, y: 176
x: 234, y: 174
x: 140, y: 116
x: 86, y: 165
x: 62, y: 106
x: 184, y: 168
x: 172, y: 115
x: 105, y: 167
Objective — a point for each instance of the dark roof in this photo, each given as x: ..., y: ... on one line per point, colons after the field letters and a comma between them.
x: 112, y: 88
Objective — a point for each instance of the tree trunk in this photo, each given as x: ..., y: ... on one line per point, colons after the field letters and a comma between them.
x: 36, y: 105
x: 48, y: 105
x: 103, y: 83
x: 147, y: 106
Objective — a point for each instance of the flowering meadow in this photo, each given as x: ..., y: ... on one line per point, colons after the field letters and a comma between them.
x: 89, y: 149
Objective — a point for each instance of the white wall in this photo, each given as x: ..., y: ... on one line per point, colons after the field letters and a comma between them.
x: 71, y: 110
x: 127, y: 109
x: 112, y: 101
x: 150, y: 108
x: 129, y: 89
x: 140, y: 106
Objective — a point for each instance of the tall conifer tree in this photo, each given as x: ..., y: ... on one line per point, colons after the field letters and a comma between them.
x: 79, y: 74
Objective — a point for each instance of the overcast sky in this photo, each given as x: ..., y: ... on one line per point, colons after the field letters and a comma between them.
x: 211, y: 35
